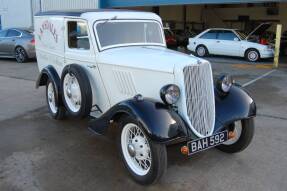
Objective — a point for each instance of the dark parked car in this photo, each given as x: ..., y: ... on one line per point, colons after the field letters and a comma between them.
x: 170, y: 38
x: 17, y: 43
x: 182, y: 36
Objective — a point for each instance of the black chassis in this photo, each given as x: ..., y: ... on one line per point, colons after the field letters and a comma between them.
x: 161, y: 122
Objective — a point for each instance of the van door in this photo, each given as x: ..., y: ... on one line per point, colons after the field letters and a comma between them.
x: 79, y: 50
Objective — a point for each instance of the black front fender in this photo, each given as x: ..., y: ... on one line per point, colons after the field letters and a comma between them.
x: 236, y: 105
x: 160, y: 122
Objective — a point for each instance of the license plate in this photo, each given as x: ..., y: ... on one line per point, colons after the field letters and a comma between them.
x: 207, y: 142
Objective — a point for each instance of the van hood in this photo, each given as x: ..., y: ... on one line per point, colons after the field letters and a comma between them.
x: 146, y: 57
x: 259, y: 30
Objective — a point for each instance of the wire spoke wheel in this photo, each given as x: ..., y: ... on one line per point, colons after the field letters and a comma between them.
x: 237, y: 131
x: 136, y: 149
x: 244, y: 132
x: 72, y: 92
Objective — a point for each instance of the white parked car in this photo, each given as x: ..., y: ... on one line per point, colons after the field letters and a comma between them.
x: 231, y: 42
x: 114, y: 66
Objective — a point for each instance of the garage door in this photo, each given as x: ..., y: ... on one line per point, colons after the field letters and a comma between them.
x: 134, y: 3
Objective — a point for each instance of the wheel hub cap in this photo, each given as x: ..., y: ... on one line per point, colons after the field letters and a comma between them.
x: 72, y: 92
x: 141, y: 149
x: 131, y: 150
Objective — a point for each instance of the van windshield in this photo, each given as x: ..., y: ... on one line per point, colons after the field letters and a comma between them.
x: 122, y: 33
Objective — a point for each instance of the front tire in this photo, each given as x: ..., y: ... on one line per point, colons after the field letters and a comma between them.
x: 145, y: 160
x: 56, y: 111
x: 201, y: 51
x: 244, y: 132
x: 252, y: 55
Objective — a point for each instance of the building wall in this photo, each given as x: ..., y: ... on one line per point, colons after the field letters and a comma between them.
x: 15, y: 13
x: 214, y: 16
x: 68, y: 4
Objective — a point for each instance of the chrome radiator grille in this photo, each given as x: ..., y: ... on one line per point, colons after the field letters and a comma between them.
x: 199, y: 92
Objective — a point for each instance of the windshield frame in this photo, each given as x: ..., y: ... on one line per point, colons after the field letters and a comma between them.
x: 163, y: 44
x: 241, y: 34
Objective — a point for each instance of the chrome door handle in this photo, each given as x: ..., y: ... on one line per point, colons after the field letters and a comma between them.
x: 218, y: 41
x: 92, y: 66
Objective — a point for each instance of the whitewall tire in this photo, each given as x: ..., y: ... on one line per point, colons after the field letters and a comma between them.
x: 244, y: 132
x: 145, y: 160
x: 77, y: 93
x: 56, y: 111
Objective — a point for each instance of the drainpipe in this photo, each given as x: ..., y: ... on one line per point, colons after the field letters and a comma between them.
x: 32, y: 13
x: 40, y: 5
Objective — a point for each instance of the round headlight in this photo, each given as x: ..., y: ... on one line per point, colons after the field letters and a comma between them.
x: 224, y: 83
x: 170, y: 94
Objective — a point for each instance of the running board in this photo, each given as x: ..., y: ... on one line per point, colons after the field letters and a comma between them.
x: 98, y: 126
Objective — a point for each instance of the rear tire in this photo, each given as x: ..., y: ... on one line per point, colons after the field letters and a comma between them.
x: 77, y: 92
x: 21, y: 55
x: 56, y: 111
x: 252, y: 55
x: 145, y: 160
x: 243, y: 140
x: 201, y: 51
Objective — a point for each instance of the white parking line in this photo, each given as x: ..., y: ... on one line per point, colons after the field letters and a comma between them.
x: 258, y: 78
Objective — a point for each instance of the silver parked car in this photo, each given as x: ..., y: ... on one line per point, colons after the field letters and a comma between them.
x: 17, y: 43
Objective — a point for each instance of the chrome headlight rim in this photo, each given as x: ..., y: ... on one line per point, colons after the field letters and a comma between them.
x: 170, y: 94
x: 224, y: 83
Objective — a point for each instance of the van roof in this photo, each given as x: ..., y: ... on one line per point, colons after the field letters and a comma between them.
x: 79, y: 12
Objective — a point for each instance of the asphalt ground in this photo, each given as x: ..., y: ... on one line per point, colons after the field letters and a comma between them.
x: 38, y: 153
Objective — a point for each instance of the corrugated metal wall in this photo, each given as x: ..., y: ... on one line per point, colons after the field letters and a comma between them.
x: 48, y: 5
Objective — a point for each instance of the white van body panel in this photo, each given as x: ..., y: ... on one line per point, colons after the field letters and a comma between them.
x: 121, y: 72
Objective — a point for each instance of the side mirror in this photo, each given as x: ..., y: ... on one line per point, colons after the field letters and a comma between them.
x: 236, y: 39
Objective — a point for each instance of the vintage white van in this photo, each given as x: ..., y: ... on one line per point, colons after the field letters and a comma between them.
x: 114, y: 65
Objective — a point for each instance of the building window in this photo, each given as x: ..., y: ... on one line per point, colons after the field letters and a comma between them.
x: 78, y: 35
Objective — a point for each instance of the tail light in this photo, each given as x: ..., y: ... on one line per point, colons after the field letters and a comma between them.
x: 33, y: 41
x: 170, y: 40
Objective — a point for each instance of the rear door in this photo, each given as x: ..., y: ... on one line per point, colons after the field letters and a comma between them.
x: 208, y: 39
x: 2, y: 38
x: 9, y: 42
x: 227, y: 43
x: 79, y: 50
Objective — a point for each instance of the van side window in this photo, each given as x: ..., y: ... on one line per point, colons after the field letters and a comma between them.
x: 78, y: 35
